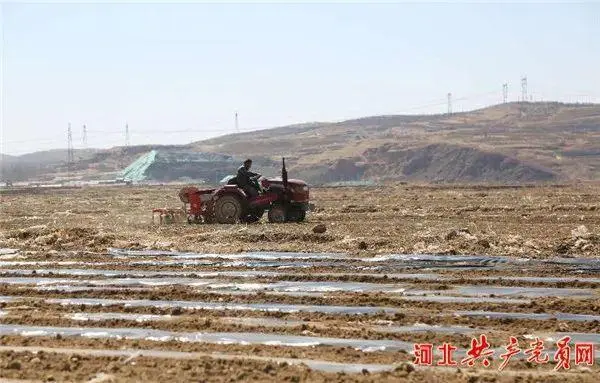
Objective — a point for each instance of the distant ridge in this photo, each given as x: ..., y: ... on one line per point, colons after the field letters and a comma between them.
x: 512, y: 142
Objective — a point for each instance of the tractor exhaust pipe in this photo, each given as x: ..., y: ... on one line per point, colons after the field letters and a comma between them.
x: 284, y: 175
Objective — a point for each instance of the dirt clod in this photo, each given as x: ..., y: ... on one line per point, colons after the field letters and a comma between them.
x: 14, y: 365
x: 406, y: 367
x: 320, y: 228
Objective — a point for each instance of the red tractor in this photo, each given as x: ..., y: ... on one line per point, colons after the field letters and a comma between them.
x: 285, y: 200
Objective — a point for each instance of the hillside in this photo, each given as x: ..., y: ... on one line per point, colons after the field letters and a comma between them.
x: 532, y: 141
x: 452, y: 163
x: 513, y: 142
x: 89, y: 163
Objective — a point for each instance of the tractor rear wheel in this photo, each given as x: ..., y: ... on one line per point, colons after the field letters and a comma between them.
x: 228, y: 209
x: 277, y: 214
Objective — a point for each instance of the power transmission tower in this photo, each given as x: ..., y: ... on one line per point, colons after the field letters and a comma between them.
x: 449, y: 103
x: 237, y: 126
x: 524, y: 89
x: 126, y: 135
x: 504, y: 92
x: 84, y: 139
x: 69, y: 148
x: 69, y: 145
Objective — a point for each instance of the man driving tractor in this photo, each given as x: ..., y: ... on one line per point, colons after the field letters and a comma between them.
x: 285, y: 200
x: 244, y: 179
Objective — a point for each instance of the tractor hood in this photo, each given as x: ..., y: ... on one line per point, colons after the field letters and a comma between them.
x: 291, y: 181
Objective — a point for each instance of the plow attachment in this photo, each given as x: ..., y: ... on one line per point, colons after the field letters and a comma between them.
x: 167, y: 216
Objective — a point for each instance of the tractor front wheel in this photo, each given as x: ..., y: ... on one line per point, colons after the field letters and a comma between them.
x: 228, y: 209
x: 296, y: 215
x: 253, y: 216
x: 277, y: 214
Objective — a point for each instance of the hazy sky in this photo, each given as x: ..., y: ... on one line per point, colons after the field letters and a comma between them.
x: 178, y: 72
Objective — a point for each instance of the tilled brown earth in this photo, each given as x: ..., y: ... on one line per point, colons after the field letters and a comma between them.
x: 74, y: 366
x: 332, y: 354
x: 415, y: 322
x: 217, y: 314
x: 526, y: 221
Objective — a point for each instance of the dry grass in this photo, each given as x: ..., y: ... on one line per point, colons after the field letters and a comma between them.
x: 536, y: 222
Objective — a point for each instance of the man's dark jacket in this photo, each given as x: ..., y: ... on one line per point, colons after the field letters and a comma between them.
x: 244, y: 175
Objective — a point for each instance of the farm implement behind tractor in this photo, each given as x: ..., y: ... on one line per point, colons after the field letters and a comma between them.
x: 284, y: 200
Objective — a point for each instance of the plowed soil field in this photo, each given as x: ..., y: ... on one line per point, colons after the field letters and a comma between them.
x: 404, y: 284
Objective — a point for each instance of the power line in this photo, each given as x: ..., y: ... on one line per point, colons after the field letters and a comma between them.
x: 100, y: 134
x: 439, y: 102
x: 104, y: 133
x: 479, y: 95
